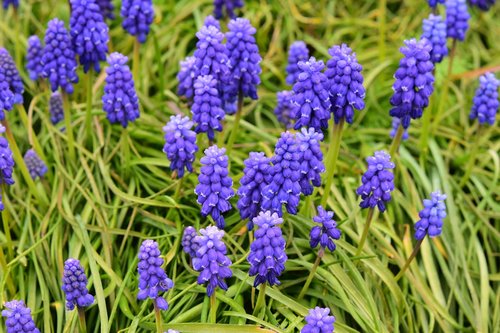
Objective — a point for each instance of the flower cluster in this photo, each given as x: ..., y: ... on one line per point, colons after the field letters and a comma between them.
x: 285, y: 109
x: 485, y: 103
x: 137, y: 17
x: 56, y: 108
x: 6, y: 3
x: 311, y: 96
x: 107, y: 8
x: 434, y: 3
x: 434, y: 30
x: 211, y: 260
x: 210, y: 54
x: 6, y: 97
x: 188, y: 243
x: 346, y: 83
x: 120, y: 99
x: 152, y: 278
x: 396, y: 122
x: 6, y: 164
x: 327, y: 232
x: 18, y: 318
x: 230, y: 5
x: 298, y: 52
x: 186, y: 77
x: 35, y: 165
x: 10, y: 74
x: 255, y: 179
x: 180, y: 144
x: 75, y: 285
x: 214, y: 187
x: 58, y: 59
x: 211, y: 21
x: 319, y: 321
x: 482, y: 4
x: 457, y: 17
x: 431, y: 217
x: 311, y: 160
x: 34, y: 58
x: 377, y: 181
x: 207, y: 107
x: 414, y: 81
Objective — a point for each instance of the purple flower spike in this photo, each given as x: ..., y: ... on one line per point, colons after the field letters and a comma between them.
x: 6, y: 164
x: 186, y: 78
x: 396, y: 122
x: 230, y: 5
x: 206, y: 109
x: 120, y: 99
x: 11, y: 75
x: 56, y: 108
x: 377, y: 181
x: 285, y: 109
x: 75, y: 285
x: 284, y: 187
x: 152, y: 278
x: 18, y: 318
x: 189, y: 244
x: 6, y: 3
x: 6, y: 97
x: 311, y: 161
x: 255, y: 179
x: 311, y: 96
x: 58, y: 59
x: 211, y: 260
x: 137, y: 17
x: 107, y: 8
x: 211, y: 21
x: 298, y: 52
x: 485, y: 102
x: 435, y: 32
x: 431, y: 217
x: 319, y: 321
x: 214, y: 187
x: 434, y: 3
x: 457, y: 17
x: 414, y: 81
x: 346, y: 83
x: 180, y: 144
x: 34, y: 58
x: 484, y: 5
x: 35, y: 165
x: 327, y: 232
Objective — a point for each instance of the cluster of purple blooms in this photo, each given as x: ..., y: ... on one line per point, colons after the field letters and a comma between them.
x: 457, y: 19
x: 34, y: 58
x: 189, y: 244
x: 319, y: 321
x: 6, y: 164
x: 7, y: 98
x: 482, y: 4
x: 434, y: 30
x: 137, y: 17
x: 107, y: 8
x: 485, y: 103
x: 311, y: 159
x: 10, y: 75
x: 326, y: 233
x: 180, y: 144
x: 56, y: 108
x: 298, y: 52
x: 431, y: 217
x: 6, y: 3
x: 35, y: 165
x: 75, y: 285
x: 285, y: 109
x: 207, y: 106
x: 18, y: 318
x: 230, y: 6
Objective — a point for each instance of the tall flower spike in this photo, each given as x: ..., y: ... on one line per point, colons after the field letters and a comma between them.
x: 6, y: 3
x: 396, y: 122
x: 327, y: 232
x: 230, y: 5
x: 207, y: 107
x: 75, y: 285
x: 434, y: 30
x: 311, y: 160
x: 377, y: 181
x: 414, y: 81
x: 431, y: 217
x: 211, y: 260
x: 484, y: 5
x: 56, y: 108
x: 311, y: 96
x: 485, y: 102
x: 152, y: 278
x: 34, y: 58
x: 35, y: 165
x: 434, y: 3
x: 457, y: 17
x: 107, y: 8
x: 346, y: 83
x: 6, y: 164
x: 298, y: 51
x: 284, y: 187
x: 180, y: 144
x: 285, y: 108
x: 319, y: 321
x: 214, y: 187
x: 18, y: 318
x: 58, y: 59
x: 120, y: 99
x: 189, y: 244
x: 255, y: 178
x: 137, y: 17
x: 89, y: 33
x: 211, y: 21
x: 11, y: 75
x: 267, y: 252
x: 186, y: 78
x: 6, y: 96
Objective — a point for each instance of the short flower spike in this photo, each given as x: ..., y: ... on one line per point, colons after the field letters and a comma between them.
x: 75, y: 285
x: 18, y: 318
x: 431, y: 217
x: 485, y: 103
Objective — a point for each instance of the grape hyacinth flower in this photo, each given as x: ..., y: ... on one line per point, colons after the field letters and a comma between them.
x: 10, y: 74
x: 211, y: 260
x: 214, y: 187
x: 6, y: 97
x: 186, y: 78
x: 34, y: 58
x: 58, y: 59
x: 484, y: 5
x: 211, y: 21
x: 311, y: 160
x: 298, y: 51
x: 56, y: 108
x: 120, y: 99
x: 326, y: 233
x: 284, y: 186
x: 396, y: 122
x: 485, y: 102
x: 152, y: 278
x: 35, y: 165
x: 188, y: 243
x: 378, y: 181
x: 434, y: 3
x: 6, y: 3
x: 107, y: 8
x: 230, y: 6
x: 431, y: 217
x: 414, y: 81
x: 255, y: 178
x: 18, y: 318
x: 267, y: 252
x: 319, y: 321
x: 346, y: 83
x: 434, y: 30
x: 285, y: 109
x: 6, y: 164
x: 75, y: 285
x: 180, y: 144
x: 137, y: 17
x: 457, y: 17
x: 311, y: 96
x: 206, y: 109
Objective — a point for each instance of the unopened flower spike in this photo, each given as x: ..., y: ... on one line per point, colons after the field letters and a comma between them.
x: 18, y: 318
x: 228, y: 6
x: 35, y: 165
x: 285, y: 108
x: 186, y: 77
x: 311, y: 160
x: 434, y: 30
x: 319, y: 321
x: 298, y: 52
x: 207, y: 106
x: 180, y: 144
x: 75, y: 285
x: 431, y: 216
x: 211, y: 21
x: 189, y: 244
x: 34, y: 58
x: 457, y: 19
x: 137, y: 17
x: 485, y: 103
x: 9, y: 73
x: 56, y: 108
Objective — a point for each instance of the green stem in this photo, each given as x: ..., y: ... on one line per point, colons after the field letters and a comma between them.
x: 69, y: 129
x: 159, y: 326
x: 260, y: 299
x: 17, y: 32
x: 332, y: 157
x: 312, y: 273
x: 125, y: 152
x: 81, y: 317
x: 426, y: 122
x: 177, y: 193
x: 135, y: 69
x: 369, y: 219
x: 5, y: 220
x: 409, y: 260
x: 88, y: 115
x: 213, y: 309
x: 236, y: 125
x: 396, y: 142
x: 472, y: 158
x: 452, y: 57
x: 382, y: 28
